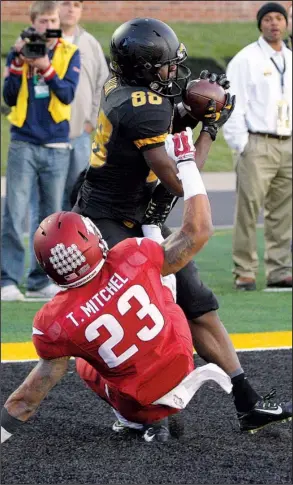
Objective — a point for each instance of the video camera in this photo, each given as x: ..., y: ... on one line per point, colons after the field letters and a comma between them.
x: 35, y: 46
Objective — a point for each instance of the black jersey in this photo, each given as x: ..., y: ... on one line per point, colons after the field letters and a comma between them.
x: 131, y: 120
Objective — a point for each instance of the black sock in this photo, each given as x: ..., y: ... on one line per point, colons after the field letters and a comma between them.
x: 245, y: 397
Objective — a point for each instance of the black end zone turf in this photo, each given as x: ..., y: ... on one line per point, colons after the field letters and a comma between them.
x: 69, y: 440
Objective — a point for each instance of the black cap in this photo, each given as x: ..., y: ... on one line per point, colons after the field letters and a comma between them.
x: 270, y: 7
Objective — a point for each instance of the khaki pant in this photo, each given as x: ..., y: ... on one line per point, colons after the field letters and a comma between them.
x: 264, y: 180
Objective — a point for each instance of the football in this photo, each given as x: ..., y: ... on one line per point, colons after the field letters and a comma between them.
x: 197, y: 95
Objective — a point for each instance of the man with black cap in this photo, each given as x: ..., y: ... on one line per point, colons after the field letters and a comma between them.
x: 260, y: 130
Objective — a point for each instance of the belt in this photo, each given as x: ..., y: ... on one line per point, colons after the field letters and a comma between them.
x: 270, y: 135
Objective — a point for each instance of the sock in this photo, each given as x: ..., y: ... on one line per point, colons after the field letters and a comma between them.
x: 245, y: 397
x: 128, y: 424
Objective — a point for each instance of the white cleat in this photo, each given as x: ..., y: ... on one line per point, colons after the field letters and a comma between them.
x: 45, y: 294
x: 11, y: 293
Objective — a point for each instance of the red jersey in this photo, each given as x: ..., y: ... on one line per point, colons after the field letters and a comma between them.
x: 124, y: 322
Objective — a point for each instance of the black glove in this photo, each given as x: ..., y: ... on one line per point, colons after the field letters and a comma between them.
x: 160, y: 206
x: 214, y: 120
x: 215, y: 78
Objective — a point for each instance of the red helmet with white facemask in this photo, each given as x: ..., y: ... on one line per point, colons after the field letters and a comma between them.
x: 70, y: 249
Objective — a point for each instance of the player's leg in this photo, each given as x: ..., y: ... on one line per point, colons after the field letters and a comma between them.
x: 278, y: 217
x: 213, y: 344
x: 99, y: 386
x: 151, y: 420
x: 210, y: 338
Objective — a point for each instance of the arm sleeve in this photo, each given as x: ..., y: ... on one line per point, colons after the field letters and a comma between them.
x: 102, y: 74
x: 180, y: 123
x: 12, y: 79
x: 148, y: 125
x: 235, y: 129
x: 64, y: 88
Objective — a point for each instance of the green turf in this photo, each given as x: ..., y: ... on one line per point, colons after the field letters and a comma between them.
x: 219, y: 40
x: 240, y: 311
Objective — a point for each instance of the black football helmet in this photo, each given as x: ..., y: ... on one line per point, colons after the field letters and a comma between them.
x: 138, y: 50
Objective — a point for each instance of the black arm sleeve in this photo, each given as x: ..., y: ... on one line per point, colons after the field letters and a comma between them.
x: 160, y: 206
x: 180, y: 123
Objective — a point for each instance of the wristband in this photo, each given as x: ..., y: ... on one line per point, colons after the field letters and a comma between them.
x: 9, y: 425
x: 48, y: 73
x: 191, y: 179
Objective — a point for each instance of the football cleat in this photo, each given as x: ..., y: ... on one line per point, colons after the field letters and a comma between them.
x: 263, y: 413
x: 176, y: 425
x: 158, y: 431
x: 119, y: 427
x: 126, y: 426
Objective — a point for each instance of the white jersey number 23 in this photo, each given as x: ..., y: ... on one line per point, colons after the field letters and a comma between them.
x: 116, y: 330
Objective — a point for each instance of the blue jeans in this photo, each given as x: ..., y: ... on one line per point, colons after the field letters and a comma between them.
x: 29, y: 167
x: 79, y: 160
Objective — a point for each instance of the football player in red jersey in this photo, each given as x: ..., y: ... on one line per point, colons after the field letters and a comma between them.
x: 118, y: 317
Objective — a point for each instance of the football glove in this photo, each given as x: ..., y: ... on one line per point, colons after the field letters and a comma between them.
x: 159, y: 207
x: 180, y: 146
x: 214, y: 120
x: 220, y: 79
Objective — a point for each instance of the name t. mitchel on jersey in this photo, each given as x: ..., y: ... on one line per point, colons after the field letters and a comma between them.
x: 93, y: 305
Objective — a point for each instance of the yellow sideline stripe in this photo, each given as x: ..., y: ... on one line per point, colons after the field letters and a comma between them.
x: 262, y: 340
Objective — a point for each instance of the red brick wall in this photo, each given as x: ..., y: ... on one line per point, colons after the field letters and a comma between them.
x: 187, y: 11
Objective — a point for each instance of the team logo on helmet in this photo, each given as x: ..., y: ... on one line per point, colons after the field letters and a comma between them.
x: 68, y: 260
x: 181, y: 52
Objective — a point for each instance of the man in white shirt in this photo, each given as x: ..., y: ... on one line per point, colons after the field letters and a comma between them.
x: 85, y: 107
x: 259, y: 130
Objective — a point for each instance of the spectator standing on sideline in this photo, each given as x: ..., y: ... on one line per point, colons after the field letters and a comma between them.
x: 259, y: 130
x: 288, y: 41
x: 85, y: 107
x: 39, y: 92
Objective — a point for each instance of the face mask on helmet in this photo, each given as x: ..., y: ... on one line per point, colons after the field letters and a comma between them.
x: 147, y: 52
x: 168, y: 77
x: 70, y: 249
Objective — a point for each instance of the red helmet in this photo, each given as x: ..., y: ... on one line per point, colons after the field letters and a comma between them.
x: 69, y: 248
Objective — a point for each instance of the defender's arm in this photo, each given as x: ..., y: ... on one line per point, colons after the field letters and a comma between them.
x: 25, y: 400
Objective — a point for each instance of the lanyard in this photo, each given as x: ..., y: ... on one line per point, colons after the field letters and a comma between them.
x: 277, y: 67
x: 280, y: 72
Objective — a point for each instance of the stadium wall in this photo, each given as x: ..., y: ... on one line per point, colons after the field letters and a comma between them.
x: 168, y: 11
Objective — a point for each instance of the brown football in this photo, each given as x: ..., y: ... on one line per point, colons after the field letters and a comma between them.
x: 198, y: 93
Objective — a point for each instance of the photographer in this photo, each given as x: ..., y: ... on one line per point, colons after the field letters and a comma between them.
x: 41, y: 77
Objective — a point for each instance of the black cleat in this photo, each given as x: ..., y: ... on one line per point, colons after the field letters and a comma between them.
x: 263, y: 413
x: 158, y: 431
x: 176, y: 425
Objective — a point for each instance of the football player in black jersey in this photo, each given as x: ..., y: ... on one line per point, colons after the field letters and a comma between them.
x: 128, y: 157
